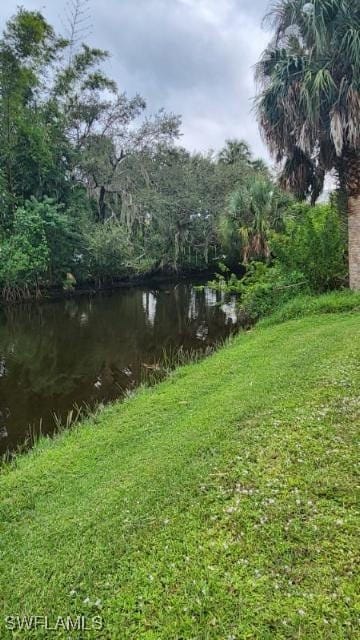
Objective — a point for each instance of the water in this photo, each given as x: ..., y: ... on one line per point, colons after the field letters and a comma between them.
x: 91, y: 350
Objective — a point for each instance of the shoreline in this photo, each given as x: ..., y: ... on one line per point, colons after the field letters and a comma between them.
x: 52, y: 294
x: 308, y: 306
x: 230, y: 482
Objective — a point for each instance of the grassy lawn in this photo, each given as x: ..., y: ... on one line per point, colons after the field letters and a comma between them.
x: 220, y: 504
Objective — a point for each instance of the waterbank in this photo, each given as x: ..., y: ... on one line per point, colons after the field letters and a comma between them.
x: 60, y: 358
x: 152, y: 278
x: 218, y: 504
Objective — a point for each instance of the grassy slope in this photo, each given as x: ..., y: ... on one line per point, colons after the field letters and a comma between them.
x: 220, y: 504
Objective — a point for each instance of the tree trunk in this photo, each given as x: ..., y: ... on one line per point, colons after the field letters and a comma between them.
x: 102, y: 206
x: 351, y: 173
x: 354, y: 241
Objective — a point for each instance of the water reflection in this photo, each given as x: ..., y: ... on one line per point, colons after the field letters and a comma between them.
x: 229, y: 309
x: 149, y: 306
x: 211, y: 297
x: 91, y: 350
x: 192, y: 313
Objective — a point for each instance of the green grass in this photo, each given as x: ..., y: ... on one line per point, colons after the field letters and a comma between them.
x: 304, y: 305
x: 220, y: 504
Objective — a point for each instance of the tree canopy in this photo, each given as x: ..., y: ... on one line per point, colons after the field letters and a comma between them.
x: 86, y: 164
x: 309, y: 101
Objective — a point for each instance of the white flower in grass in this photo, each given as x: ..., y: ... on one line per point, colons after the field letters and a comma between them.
x: 72, y: 593
x: 87, y: 600
x: 230, y: 509
x: 301, y: 612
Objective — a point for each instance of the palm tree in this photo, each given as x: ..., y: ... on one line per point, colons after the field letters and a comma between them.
x: 255, y: 209
x: 309, y: 100
x: 235, y: 151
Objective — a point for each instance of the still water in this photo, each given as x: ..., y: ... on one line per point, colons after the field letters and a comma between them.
x: 91, y: 350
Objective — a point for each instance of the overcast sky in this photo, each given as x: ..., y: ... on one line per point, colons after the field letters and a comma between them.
x: 193, y: 57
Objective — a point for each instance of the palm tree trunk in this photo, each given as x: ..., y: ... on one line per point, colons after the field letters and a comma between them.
x: 351, y: 169
x: 354, y: 241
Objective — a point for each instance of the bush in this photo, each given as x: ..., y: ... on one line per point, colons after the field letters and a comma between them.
x: 309, y: 257
x: 38, y: 250
x: 109, y: 251
x: 264, y: 288
x: 25, y: 256
x: 313, y: 243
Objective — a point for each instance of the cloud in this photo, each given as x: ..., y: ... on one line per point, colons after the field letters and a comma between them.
x: 193, y: 57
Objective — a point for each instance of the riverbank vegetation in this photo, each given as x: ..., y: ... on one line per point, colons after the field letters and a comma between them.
x: 220, y: 502
x: 307, y: 255
x: 308, y: 102
x: 308, y: 111
x: 93, y: 187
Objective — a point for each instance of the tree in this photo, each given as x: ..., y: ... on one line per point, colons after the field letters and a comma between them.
x: 106, y: 128
x: 41, y: 249
x: 235, y: 151
x: 91, y: 186
x: 25, y: 255
x: 309, y: 100
x: 177, y: 203
x: 110, y: 153
x: 28, y: 48
x: 255, y: 209
x: 110, y: 251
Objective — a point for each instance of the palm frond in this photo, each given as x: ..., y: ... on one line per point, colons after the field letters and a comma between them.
x: 308, y: 103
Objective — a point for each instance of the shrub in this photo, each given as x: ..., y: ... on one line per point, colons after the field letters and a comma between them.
x: 313, y: 243
x: 265, y: 288
x: 25, y: 256
x: 109, y: 250
x: 308, y: 257
x: 38, y: 250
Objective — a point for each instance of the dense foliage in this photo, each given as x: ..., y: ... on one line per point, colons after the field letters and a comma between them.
x: 309, y: 101
x: 91, y: 187
x: 306, y: 256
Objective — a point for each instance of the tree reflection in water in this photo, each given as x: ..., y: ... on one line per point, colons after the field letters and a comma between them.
x: 91, y: 350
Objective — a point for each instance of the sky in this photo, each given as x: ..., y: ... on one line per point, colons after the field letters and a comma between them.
x: 192, y: 57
